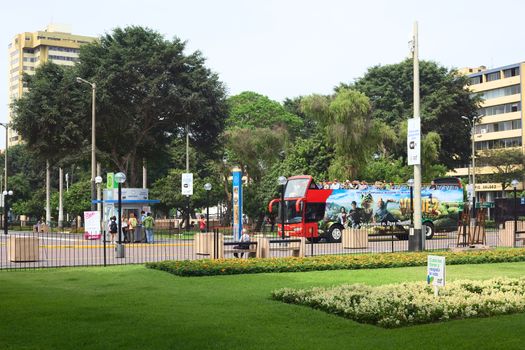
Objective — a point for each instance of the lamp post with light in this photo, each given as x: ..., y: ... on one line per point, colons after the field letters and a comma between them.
x: 98, y: 182
x: 472, y: 124
x: 120, y: 178
x: 282, y: 182
x: 410, y: 183
x: 514, y: 184
x: 207, y: 187
x: 93, y: 138
x: 6, y: 210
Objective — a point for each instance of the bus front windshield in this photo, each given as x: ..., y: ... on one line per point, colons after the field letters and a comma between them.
x: 291, y: 215
x: 296, y: 188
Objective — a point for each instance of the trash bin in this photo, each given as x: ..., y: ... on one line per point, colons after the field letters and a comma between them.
x: 138, y: 234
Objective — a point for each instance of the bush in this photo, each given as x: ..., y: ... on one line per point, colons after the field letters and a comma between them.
x: 406, y: 304
x: 207, y: 267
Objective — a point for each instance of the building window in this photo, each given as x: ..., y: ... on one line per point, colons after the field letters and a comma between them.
x: 493, y: 76
x: 497, y: 144
x: 500, y: 126
x: 500, y: 109
x: 500, y: 92
x: 511, y: 72
x: 476, y: 80
x: 63, y: 58
x: 26, y: 50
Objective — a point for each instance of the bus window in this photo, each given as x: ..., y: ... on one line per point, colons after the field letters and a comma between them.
x: 314, y: 212
x: 296, y: 188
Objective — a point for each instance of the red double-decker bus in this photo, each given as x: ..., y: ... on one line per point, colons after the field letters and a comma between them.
x: 313, y: 212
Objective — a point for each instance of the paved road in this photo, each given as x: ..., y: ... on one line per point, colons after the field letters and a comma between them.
x: 62, y: 249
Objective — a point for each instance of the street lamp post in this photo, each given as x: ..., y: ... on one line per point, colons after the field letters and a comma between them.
x: 410, y: 183
x: 98, y: 182
x: 514, y: 184
x: 207, y: 187
x: 121, y: 178
x: 93, y: 138
x: 472, y: 124
x: 6, y: 210
x: 282, y: 182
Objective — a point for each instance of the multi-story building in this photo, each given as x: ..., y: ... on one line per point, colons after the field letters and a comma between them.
x: 500, y: 125
x: 28, y: 50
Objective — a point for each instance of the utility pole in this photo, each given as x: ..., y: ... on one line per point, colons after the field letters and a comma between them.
x: 48, y: 190
x: 187, y: 171
x: 60, y: 196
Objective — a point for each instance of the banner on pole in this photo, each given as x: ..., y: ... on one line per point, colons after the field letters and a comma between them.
x: 237, y: 204
x: 187, y: 184
x: 414, y: 141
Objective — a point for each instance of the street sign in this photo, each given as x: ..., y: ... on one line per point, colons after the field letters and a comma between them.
x: 485, y: 205
x: 187, y: 184
x: 414, y: 141
x: 436, y: 270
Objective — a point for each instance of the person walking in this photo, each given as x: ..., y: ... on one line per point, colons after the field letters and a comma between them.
x: 148, y: 224
x: 202, y: 224
x: 125, y: 233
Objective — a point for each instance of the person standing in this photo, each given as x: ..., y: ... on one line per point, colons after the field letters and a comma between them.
x: 125, y: 233
x: 202, y: 224
x: 113, y: 229
x: 148, y: 224
x: 140, y: 230
x: 132, y: 225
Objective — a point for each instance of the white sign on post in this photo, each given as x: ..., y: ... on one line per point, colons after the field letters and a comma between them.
x: 436, y: 272
x: 92, y: 225
x: 414, y: 141
x: 187, y: 184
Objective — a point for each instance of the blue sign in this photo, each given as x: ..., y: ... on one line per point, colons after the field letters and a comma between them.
x: 237, y: 204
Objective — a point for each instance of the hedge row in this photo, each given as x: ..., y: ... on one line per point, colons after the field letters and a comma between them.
x: 207, y: 267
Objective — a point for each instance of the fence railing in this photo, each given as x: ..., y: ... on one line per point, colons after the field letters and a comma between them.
x: 28, y: 248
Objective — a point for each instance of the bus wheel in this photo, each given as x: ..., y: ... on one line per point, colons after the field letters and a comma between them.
x: 429, y: 229
x: 335, y: 233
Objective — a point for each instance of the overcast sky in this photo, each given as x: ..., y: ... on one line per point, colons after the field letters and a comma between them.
x: 289, y: 48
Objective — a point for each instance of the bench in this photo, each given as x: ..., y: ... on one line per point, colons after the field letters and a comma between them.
x: 251, y: 251
x: 295, y: 246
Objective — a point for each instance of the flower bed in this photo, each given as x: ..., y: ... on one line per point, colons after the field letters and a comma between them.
x: 398, y: 305
x: 206, y: 267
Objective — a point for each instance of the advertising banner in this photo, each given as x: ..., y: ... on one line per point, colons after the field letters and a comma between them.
x: 440, y: 205
x: 91, y: 225
x: 187, y: 184
x: 237, y: 204
x: 414, y: 141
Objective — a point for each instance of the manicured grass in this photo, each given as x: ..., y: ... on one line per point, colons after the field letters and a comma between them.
x: 131, y: 307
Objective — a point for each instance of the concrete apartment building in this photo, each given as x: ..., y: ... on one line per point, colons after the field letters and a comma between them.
x: 501, y: 124
x: 30, y: 49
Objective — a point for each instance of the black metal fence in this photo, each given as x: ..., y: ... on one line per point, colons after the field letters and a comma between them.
x: 25, y: 247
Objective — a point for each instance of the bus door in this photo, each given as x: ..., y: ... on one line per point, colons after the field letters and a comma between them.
x: 314, y: 213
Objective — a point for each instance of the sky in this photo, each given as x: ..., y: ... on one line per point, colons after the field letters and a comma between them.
x: 290, y: 48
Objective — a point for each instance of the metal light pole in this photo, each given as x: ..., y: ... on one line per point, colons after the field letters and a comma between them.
x: 514, y: 184
x: 6, y: 210
x: 282, y: 182
x: 98, y: 182
x: 207, y: 187
x: 418, y: 233
x: 67, y: 190
x: 6, y: 126
x: 119, y: 248
x: 472, y: 124
x: 93, y: 139
x: 410, y: 183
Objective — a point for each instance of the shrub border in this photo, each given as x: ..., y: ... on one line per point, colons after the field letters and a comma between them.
x: 207, y: 267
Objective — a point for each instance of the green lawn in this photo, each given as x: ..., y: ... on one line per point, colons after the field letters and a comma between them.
x: 131, y: 307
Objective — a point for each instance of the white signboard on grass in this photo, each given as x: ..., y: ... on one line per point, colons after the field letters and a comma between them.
x: 436, y: 270
x: 187, y: 184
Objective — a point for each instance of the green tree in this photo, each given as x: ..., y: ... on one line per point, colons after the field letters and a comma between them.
x: 252, y: 110
x: 149, y: 89
x: 345, y: 118
x: 46, y: 117
x: 445, y: 97
x: 504, y: 166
